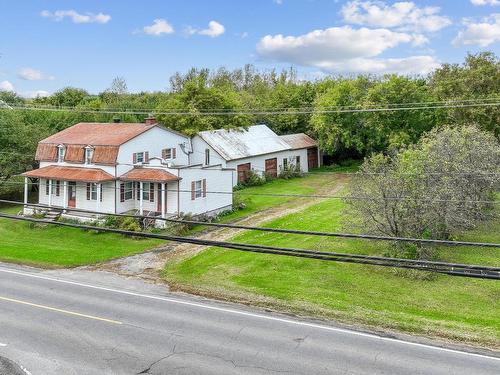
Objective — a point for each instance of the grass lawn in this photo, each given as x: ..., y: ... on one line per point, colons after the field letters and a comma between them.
x: 53, y: 246
x: 455, y: 308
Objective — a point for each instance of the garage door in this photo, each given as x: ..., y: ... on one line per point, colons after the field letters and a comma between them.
x: 243, y: 170
x: 312, y: 158
x: 272, y: 167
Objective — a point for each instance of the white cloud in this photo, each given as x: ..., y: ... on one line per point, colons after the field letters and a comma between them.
x: 278, y: 2
x: 6, y: 86
x: 214, y: 30
x: 482, y: 33
x: 76, y: 17
x: 345, y: 49
x: 485, y: 2
x: 30, y: 74
x: 34, y: 94
x: 159, y: 27
x: 402, y: 15
x: 405, y: 65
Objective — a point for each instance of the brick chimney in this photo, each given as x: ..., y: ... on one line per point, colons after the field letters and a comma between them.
x: 150, y: 120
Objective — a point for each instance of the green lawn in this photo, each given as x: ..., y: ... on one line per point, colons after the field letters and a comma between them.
x: 53, y: 246
x: 456, y: 308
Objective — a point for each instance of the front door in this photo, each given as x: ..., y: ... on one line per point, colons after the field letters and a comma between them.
x: 72, y: 194
x: 161, y: 198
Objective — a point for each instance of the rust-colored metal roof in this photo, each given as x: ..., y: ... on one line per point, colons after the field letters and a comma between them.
x: 299, y: 140
x: 55, y: 172
x: 149, y: 175
x: 46, y: 152
x: 105, y: 155
x: 98, y: 134
x: 74, y: 153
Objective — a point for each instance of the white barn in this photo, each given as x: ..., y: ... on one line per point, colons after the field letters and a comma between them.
x: 255, y: 148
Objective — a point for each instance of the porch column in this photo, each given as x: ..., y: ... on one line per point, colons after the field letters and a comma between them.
x: 98, y: 197
x: 25, y: 191
x: 50, y: 193
x: 141, y: 190
x: 65, y: 194
x: 163, y: 200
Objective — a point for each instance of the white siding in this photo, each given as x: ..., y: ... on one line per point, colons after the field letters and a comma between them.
x: 153, y: 141
x: 217, y: 181
x: 198, y: 155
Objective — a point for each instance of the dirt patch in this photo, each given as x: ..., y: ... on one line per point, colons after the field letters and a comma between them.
x: 149, y: 265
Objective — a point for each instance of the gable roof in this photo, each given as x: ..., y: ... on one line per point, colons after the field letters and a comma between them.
x: 240, y: 143
x: 299, y: 140
x: 98, y: 133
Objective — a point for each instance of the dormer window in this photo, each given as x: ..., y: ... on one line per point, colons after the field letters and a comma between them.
x: 89, y: 152
x: 60, y: 153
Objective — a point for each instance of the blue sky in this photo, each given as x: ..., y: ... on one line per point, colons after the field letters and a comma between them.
x: 46, y: 45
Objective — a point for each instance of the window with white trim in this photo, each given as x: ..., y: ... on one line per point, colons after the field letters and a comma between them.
x: 60, y: 153
x: 145, y: 191
x: 93, y: 191
x: 198, y: 189
x: 128, y: 192
x: 168, y: 153
x: 89, y: 152
x: 139, y: 157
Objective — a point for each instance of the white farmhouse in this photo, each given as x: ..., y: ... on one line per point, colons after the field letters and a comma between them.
x: 255, y: 148
x: 122, y: 167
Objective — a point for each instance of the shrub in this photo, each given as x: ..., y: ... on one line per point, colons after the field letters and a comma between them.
x: 130, y: 224
x: 291, y: 170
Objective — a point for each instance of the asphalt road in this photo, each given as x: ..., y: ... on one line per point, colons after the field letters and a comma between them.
x: 69, y: 323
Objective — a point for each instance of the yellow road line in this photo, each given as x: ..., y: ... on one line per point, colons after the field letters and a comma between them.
x: 60, y: 310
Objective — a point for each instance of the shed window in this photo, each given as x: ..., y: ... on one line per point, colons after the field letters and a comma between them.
x: 285, y: 163
x: 207, y: 156
x: 297, y: 160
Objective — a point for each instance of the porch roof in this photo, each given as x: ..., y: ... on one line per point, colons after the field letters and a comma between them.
x: 55, y: 172
x: 149, y: 175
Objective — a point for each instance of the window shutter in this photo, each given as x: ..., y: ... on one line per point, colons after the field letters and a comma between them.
x: 47, y: 192
x: 174, y: 153
x: 134, y: 158
x: 192, y: 190
x: 204, y: 187
x: 122, y: 192
x: 164, y: 153
x: 151, y: 192
x: 138, y: 190
x: 58, y: 188
x: 100, y: 188
x: 146, y: 157
x: 88, y: 191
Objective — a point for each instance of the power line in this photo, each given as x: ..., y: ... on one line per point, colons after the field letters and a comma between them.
x: 246, y: 112
x: 143, y: 110
x: 319, y: 196
x: 273, y: 230
x: 454, y: 269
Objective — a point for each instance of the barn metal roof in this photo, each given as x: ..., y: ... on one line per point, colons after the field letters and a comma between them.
x: 55, y: 172
x: 299, y: 140
x: 240, y: 143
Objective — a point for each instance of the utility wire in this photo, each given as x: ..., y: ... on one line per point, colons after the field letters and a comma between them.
x: 245, y: 112
x: 319, y: 196
x: 455, y: 269
x: 273, y: 230
x: 173, y: 109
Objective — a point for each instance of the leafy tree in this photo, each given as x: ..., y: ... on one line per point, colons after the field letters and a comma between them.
x: 68, y: 97
x: 434, y: 189
x: 342, y: 132
x: 477, y: 78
